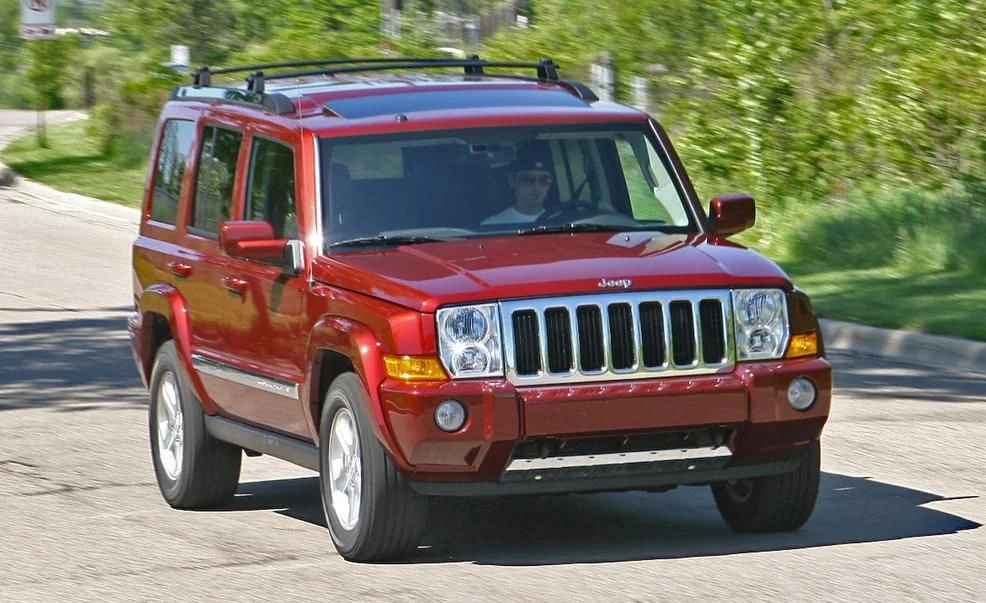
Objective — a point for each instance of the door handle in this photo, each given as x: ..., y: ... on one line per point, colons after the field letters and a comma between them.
x: 180, y: 268
x: 234, y: 284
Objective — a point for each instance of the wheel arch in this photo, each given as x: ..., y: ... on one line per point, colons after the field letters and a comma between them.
x: 338, y: 345
x: 163, y: 317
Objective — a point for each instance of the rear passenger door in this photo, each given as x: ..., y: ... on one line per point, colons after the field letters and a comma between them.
x: 265, y: 313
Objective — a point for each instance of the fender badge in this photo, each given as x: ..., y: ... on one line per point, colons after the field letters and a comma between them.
x: 623, y: 283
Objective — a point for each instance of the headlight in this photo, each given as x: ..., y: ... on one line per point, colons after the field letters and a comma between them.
x: 761, y: 323
x: 469, y: 341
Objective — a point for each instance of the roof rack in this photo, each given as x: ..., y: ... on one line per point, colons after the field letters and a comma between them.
x: 546, y: 71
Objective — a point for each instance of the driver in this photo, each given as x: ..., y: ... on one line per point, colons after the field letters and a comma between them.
x: 530, y: 180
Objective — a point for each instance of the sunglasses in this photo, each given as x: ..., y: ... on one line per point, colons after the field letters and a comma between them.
x: 532, y: 178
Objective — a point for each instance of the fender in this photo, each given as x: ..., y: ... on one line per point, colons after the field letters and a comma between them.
x: 357, y: 342
x: 166, y: 300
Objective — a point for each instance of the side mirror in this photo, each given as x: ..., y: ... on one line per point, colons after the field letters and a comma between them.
x: 732, y: 214
x: 250, y: 239
x: 254, y: 240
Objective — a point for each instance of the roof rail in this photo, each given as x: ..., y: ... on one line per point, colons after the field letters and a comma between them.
x: 275, y: 103
x: 546, y: 69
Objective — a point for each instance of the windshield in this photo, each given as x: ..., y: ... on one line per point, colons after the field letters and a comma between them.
x: 436, y: 186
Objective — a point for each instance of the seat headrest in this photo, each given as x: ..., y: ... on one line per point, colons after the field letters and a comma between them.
x: 340, y: 177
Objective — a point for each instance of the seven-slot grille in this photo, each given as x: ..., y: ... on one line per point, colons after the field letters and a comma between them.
x: 617, y: 336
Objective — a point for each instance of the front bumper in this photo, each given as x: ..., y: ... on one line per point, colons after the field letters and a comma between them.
x: 765, y: 435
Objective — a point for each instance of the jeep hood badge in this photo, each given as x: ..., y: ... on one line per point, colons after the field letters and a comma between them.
x: 623, y: 283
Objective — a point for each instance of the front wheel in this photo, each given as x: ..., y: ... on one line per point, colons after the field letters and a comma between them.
x: 775, y: 503
x: 373, y: 514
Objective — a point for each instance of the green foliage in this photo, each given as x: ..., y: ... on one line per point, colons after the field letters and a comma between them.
x: 793, y: 101
x: 10, y: 43
x: 910, y: 231
x: 124, y: 120
x: 209, y: 29
x: 15, y: 93
x: 47, y: 59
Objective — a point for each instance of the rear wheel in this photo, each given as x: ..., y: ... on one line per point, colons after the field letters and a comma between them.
x: 372, y: 512
x: 776, y: 503
x: 194, y: 470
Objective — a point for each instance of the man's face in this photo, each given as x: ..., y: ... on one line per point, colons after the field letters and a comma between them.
x: 530, y: 189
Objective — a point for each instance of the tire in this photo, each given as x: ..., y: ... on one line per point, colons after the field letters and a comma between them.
x: 197, y: 471
x: 389, y: 516
x: 776, y: 503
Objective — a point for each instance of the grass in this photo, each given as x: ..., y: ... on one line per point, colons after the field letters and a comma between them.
x: 942, y: 303
x: 75, y: 162
x: 904, y: 259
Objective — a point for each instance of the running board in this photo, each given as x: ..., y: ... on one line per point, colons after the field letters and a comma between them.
x: 278, y: 446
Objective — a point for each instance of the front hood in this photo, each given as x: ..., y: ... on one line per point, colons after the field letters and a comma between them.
x: 427, y: 275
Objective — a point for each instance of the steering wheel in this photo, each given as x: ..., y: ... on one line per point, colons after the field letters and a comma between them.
x: 570, y: 210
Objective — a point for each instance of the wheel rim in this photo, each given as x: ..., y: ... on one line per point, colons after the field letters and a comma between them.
x: 170, y: 425
x: 740, y: 490
x: 345, y: 469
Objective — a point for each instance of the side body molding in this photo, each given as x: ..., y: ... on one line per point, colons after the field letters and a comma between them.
x: 357, y: 342
x: 164, y: 299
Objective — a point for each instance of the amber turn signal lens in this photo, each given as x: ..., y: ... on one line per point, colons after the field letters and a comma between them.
x: 802, y: 344
x: 414, y: 368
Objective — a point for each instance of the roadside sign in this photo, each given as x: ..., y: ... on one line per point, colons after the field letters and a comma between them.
x: 180, y: 57
x: 37, y: 19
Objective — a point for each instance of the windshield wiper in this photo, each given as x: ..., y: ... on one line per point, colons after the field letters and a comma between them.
x: 384, y: 240
x: 572, y: 228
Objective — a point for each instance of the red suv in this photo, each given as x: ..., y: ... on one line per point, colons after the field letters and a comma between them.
x: 431, y: 278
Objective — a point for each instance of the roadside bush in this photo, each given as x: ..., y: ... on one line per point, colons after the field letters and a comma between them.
x: 915, y: 232
x: 123, y: 121
x: 15, y: 92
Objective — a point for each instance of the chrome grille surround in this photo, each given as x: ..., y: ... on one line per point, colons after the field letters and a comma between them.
x: 700, y: 365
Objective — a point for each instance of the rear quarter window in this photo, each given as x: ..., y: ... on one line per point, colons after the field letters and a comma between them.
x: 176, y: 145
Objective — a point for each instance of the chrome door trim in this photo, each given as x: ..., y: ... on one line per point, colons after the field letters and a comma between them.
x: 224, y: 371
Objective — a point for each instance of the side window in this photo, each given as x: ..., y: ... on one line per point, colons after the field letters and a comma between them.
x: 176, y: 146
x: 214, y: 181
x: 653, y: 195
x: 270, y: 195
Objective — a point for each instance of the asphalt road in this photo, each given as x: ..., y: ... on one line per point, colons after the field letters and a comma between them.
x: 899, y: 514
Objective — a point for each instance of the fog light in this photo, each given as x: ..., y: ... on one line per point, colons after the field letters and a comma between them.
x: 450, y: 415
x: 801, y: 394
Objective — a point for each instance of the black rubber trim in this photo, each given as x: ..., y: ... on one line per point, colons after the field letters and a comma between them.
x: 265, y: 442
x: 605, y: 484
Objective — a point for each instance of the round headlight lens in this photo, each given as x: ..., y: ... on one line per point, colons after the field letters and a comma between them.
x: 760, y: 308
x: 469, y: 359
x: 801, y: 394
x: 466, y: 324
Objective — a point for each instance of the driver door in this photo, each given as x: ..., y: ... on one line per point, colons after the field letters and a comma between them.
x: 265, y: 305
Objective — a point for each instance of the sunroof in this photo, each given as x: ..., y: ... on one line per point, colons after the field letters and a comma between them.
x: 408, y: 102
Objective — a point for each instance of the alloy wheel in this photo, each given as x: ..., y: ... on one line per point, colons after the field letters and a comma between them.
x: 345, y: 469
x: 170, y: 426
